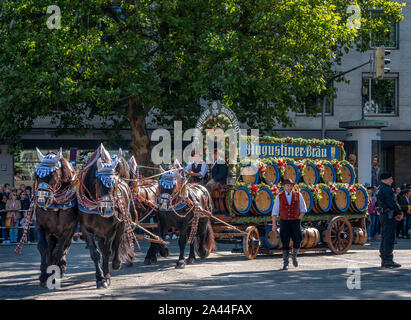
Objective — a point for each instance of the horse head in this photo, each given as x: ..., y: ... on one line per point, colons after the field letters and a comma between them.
x: 53, y: 174
x: 102, y: 177
x: 171, y: 185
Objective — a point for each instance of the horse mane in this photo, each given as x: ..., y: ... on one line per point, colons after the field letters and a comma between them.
x: 67, y: 171
x: 123, y: 169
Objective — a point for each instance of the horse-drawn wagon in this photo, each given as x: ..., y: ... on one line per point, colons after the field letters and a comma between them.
x: 336, y: 205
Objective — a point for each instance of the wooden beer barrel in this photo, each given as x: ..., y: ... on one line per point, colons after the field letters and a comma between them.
x: 220, y: 200
x: 347, y: 174
x: 360, y: 236
x: 273, y: 240
x: 241, y: 201
x: 272, y: 174
x: 330, y: 176
x: 308, y: 198
x: 324, y: 204
x: 263, y: 202
x: 310, y: 175
x: 360, y: 204
x: 342, y: 200
x: 249, y: 174
x: 311, y: 237
x: 291, y: 172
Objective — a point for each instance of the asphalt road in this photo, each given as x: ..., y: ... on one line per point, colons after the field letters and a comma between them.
x: 223, y: 275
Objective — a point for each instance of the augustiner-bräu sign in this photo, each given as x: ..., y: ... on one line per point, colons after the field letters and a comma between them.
x: 264, y: 149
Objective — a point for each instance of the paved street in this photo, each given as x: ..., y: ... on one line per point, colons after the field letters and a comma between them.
x: 223, y: 275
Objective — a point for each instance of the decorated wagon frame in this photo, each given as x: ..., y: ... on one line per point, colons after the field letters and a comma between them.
x: 337, y: 211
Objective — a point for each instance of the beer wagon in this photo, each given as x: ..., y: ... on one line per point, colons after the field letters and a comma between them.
x: 337, y: 206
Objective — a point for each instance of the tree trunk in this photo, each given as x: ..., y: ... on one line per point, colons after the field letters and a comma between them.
x: 140, y: 143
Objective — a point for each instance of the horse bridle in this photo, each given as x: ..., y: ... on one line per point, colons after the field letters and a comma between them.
x: 45, y: 191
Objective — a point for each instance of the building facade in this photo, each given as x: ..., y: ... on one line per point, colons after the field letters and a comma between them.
x: 387, y: 101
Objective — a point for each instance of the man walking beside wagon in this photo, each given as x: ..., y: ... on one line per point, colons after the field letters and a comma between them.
x: 291, y: 207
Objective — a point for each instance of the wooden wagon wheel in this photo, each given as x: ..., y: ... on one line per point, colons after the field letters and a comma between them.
x: 197, y: 247
x: 251, y: 242
x: 339, y: 235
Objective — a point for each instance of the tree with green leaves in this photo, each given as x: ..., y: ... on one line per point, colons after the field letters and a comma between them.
x: 119, y: 60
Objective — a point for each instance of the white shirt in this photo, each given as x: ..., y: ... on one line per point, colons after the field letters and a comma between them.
x: 276, y: 207
x: 203, y: 170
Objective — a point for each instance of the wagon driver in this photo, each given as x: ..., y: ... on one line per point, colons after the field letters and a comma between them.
x: 291, y: 207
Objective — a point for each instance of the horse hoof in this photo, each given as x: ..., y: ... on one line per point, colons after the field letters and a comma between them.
x: 180, y: 264
x: 164, y: 252
x: 190, y: 261
x: 130, y: 264
x: 203, y: 253
x: 116, y: 265
x: 102, y: 285
x: 43, y: 284
x: 147, y: 262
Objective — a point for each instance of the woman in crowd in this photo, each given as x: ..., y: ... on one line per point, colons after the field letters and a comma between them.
x: 13, y: 207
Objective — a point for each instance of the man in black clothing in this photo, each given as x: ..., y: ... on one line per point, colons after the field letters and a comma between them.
x: 218, y: 174
x: 390, y: 212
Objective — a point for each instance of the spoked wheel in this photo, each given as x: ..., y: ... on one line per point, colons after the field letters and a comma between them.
x: 197, y: 247
x: 251, y: 242
x: 339, y: 235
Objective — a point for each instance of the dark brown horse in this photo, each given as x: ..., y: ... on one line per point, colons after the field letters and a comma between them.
x: 103, y: 199
x: 56, y: 212
x: 180, y: 204
x: 144, y: 193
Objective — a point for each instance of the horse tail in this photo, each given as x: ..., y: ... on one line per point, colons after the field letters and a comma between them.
x: 210, y: 243
x: 126, y: 253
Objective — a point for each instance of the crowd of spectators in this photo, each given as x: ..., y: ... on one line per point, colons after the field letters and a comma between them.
x: 14, y: 205
x: 403, y: 198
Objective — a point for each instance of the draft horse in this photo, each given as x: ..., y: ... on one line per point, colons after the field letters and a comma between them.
x: 104, y: 210
x: 184, y: 206
x: 56, y: 210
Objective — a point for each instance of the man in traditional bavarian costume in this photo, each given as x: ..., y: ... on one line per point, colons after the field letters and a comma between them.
x: 197, y: 170
x: 291, y: 207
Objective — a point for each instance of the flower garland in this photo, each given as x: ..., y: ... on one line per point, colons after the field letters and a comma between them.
x: 261, y: 168
x: 301, y: 141
x: 314, y: 189
x: 333, y: 188
x: 301, y: 165
x: 352, y: 189
x: 254, y: 190
x: 320, y: 167
x: 222, y: 122
x: 281, y: 164
x: 337, y: 167
x: 275, y: 189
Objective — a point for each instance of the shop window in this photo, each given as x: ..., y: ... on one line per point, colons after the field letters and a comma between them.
x: 384, y: 96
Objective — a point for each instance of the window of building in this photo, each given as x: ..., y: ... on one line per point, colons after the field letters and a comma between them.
x: 313, y: 105
x: 384, y: 95
x: 384, y: 36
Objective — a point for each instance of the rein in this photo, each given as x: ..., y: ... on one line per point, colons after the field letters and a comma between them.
x: 30, y: 215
